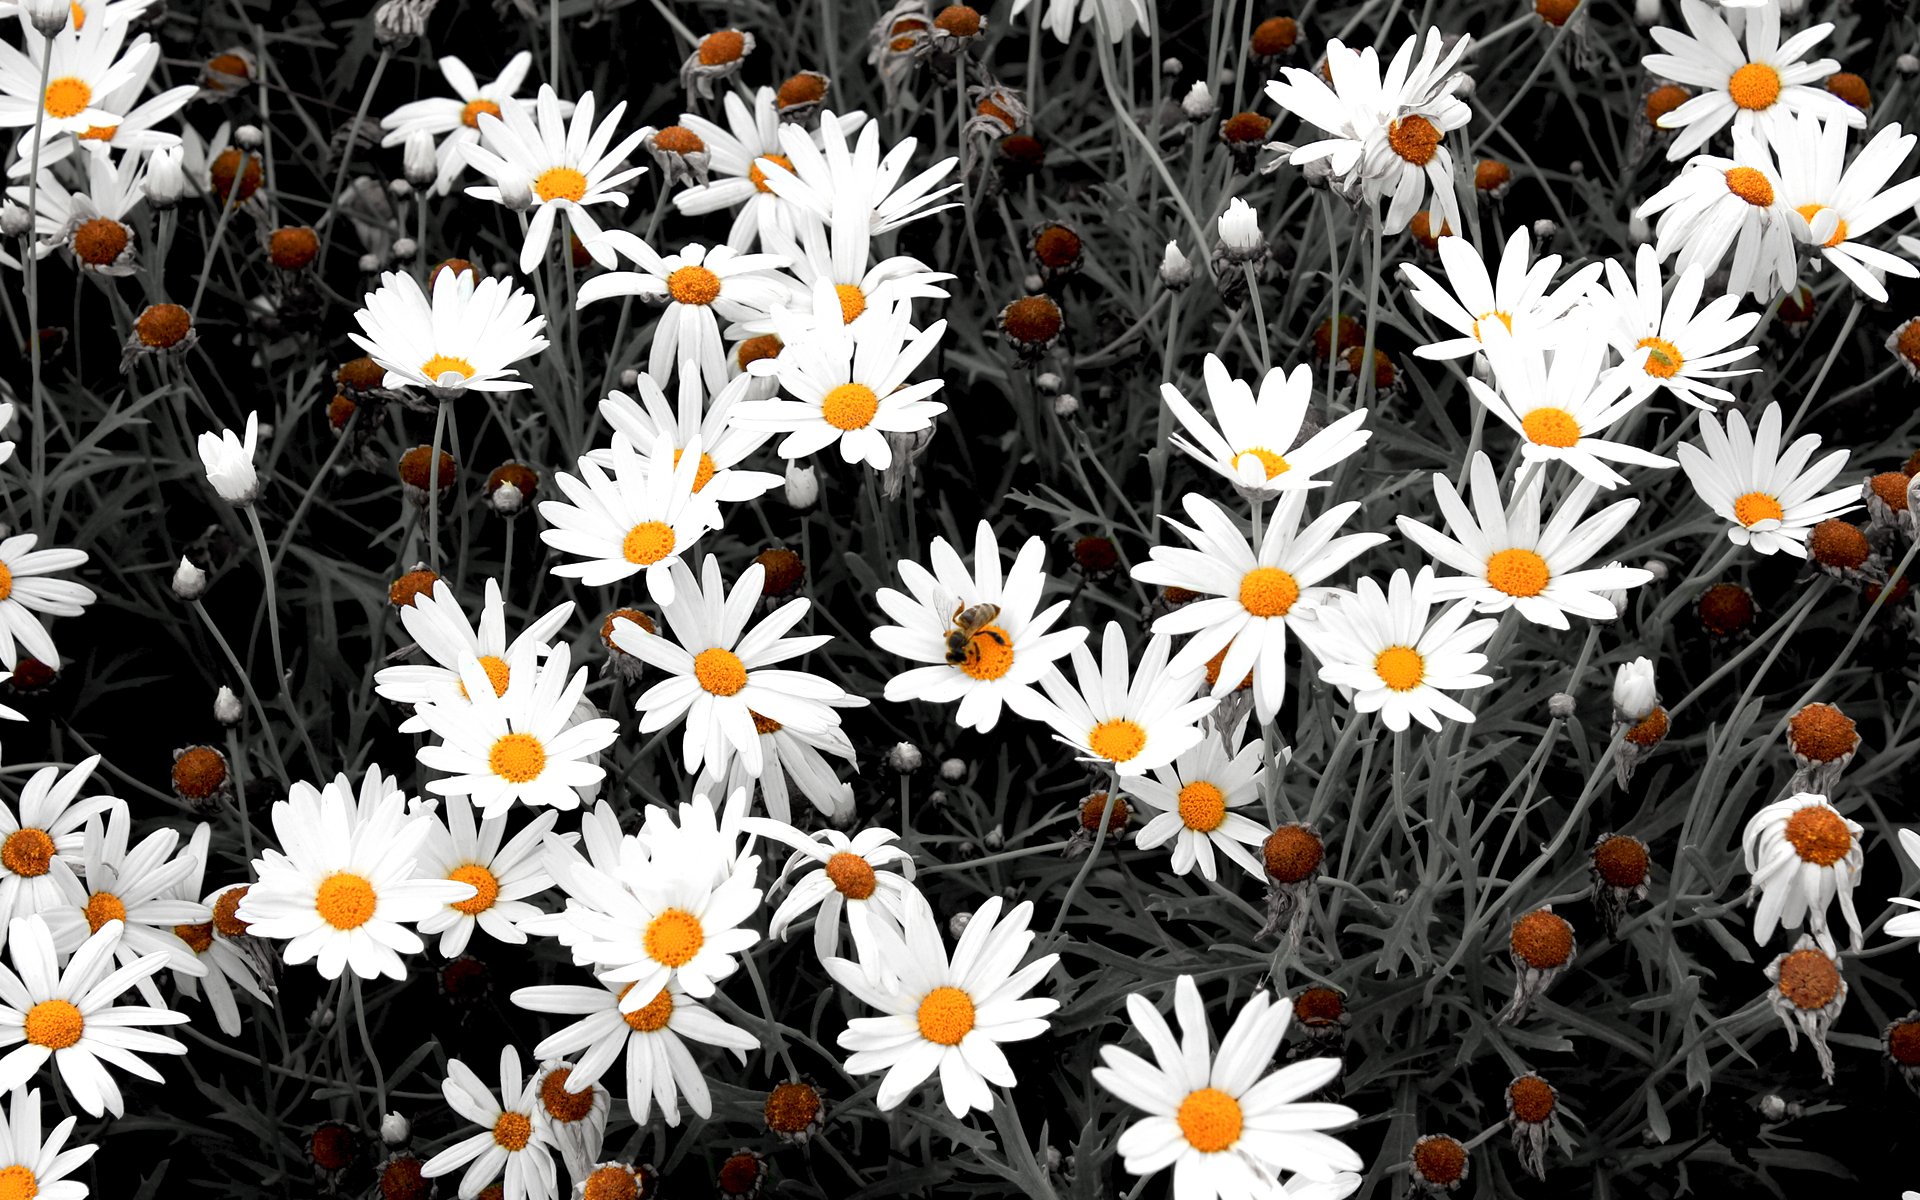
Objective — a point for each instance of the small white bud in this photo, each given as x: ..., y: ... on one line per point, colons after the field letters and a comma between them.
x: 1544, y: 230
x: 957, y: 925
x: 166, y: 179
x: 422, y: 166
x: 1239, y: 229
x: 369, y: 263
x: 1047, y: 382
x: 953, y: 770
x: 1634, y: 694
x: 1175, y: 271
x: 1560, y: 706
x: 1655, y: 568
x: 189, y: 581
x: 994, y: 839
x: 394, y: 1130
x: 1638, y: 230
x: 15, y: 221
x: 404, y: 247
x: 1646, y: 12
x: 228, y: 460
x: 400, y: 188
x: 48, y: 17
x: 506, y: 499
x: 1198, y: 103
x: 226, y: 707
x: 1171, y: 66
x: 1033, y: 284
x: 1066, y: 404
x: 803, y: 486
x: 248, y: 137
x: 1907, y: 64
x: 629, y: 378
x: 905, y: 758
x: 1772, y: 1107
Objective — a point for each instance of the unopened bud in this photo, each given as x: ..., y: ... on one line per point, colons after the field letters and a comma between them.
x: 1544, y: 230
x: 1655, y: 568
x: 1646, y: 12
x: 248, y: 137
x: 1560, y: 706
x: 1634, y: 694
x: 1066, y: 404
x: 226, y: 707
x: 1198, y: 103
x: 394, y: 1130
x: 15, y: 221
x: 953, y: 770
x: 803, y: 486
x: 404, y: 247
x: 166, y: 179
x: 1175, y: 271
x: 369, y: 263
x: 905, y: 758
x: 1047, y: 382
x: 1907, y: 64
x: 189, y: 581
x: 1171, y: 66
x: 957, y: 925
x: 994, y: 839
x: 421, y: 165
x: 47, y: 17
x: 506, y: 499
x: 400, y: 188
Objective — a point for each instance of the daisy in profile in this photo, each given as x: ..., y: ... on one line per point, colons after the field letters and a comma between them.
x: 1226, y: 1127
x: 699, y: 287
x: 1559, y: 403
x: 1722, y: 204
x: 85, y: 67
x: 1193, y: 801
x: 1801, y: 854
x: 1770, y: 498
x: 51, y: 826
x: 653, y: 1038
x: 90, y: 224
x: 1132, y: 718
x: 1407, y: 160
x: 1667, y: 340
x: 1115, y: 18
x: 27, y: 588
x: 1520, y: 297
x: 568, y: 166
x: 37, y: 1167
x: 1507, y: 558
x: 503, y: 874
x: 454, y: 121
x: 1004, y: 648
x: 832, y: 182
x: 849, y: 387
x: 832, y: 874
x: 949, y: 1015
x: 1254, y: 444
x: 513, y: 1138
x: 1396, y: 657
x: 722, y: 677
x: 1758, y: 89
x: 737, y: 178
x: 69, y: 1015
x: 724, y: 443
x: 792, y: 759
x: 1250, y: 593
x: 133, y: 885
x: 641, y: 516
x: 344, y: 891
x: 440, y: 630
x: 1834, y: 203
x: 466, y: 338
x: 522, y: 744
x: 223, y: 946
x: 1907, y: 924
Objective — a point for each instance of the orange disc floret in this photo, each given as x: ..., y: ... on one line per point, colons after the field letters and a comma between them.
x: 226, y: 913
x: 1292, y: 853
x: 807, y: 87
x: 1621, y: 861
x: 1032, y: 320
x: 401, y: 1179
x: 1650, y: 730
x: 360, y: 374
x: 991, y: 108
x: 100, y: 242
x: 1218, y: 661
x: 1421, y: 227
x: 292, y: 247
x: 1024, y: 150
x: 1242, y: 129
x: 561, y: 1104
x: 1851, y: 88
x: 1351, y: 334
x: 1490, y: 175
x: 613, y: 1181
x: 162, y: 326
x: 791, y: 1107
x: 1275, y: 36
x: 754, y: 349
x: 456, y: 265
x: 1725, y: 608
x: 1903, y: 1042
x: 678, y: 139
x: 231, y: 65
x: 958, y: 20
x: 1839, y: 544
x: 624, y: 614
x: 411, y: 586
x: 1822, y: 733
x: 340, y: 410
x: 199, y: 772
x: 1383, y: 370
x: 1555, y: 12
x: 1891, y: 488
x: 1094, y: 805
x: 1319, y: 1007
x: 523, y: 478
x: 416, y: 468
x: 235, y: 173
x: 784, y: 570
x: 741, y: 1174
x: 1095, y: 553
x: 1542, y: 940
x: 1663, y: 100
x: 1530, y: 1099
x: 721, y: 47
x: 331, y: 1147
x: 1808, y: 979
x: 1057, y: 246
x: 1439, y: 1160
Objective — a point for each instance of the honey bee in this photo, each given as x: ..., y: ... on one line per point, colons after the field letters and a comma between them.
x: 968, y: 623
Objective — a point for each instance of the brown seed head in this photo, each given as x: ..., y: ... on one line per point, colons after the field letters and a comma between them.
x: 1840, y: 544
x: 1292, y: 853
x: 1530, y: 1099
x: 808, y: 87
x: 292, y: 247
x: 1903, y: 1042
x: 416, y: 468
x: 236, y: 172
x: 524, y: 479
x: 678, y: 139
x: 1023, y: 150
x: 1057, y: 246
x: 1621, y: 861
x: 1891, y: 488
x: 784, y: 570
x: 1490, y: 174
x: 162, y: 326
x: 624, y: 614
x: 1094, y: 805
x: 1275, y: 36
x: 1808, y: 979
x: 1032, y: 320
x: 199, y: 772
x: 360, y: 374
x: 1822, y: 733
x: 1851, y: 88
x: 1555, y: 12
x: 791, y: 1107
x: 722, y: 47
x: 1650, y: 729
x: 959, y: 20
x: 1319, y: 1007
x: 400, y: 1179
x: 1439, y: 1160
x: 411, y: 586
x: 1663, y: 100
x: 331, y: 1147
x: 1351, y: 334
x: 100, y: 242
x: 1095, y: 553
x: 1542, y: 940
x: 456, y: 265
x: 1245, y: 129
x: 1725, y: 608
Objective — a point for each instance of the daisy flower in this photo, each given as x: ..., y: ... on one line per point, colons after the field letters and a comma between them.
x: 227, y: 952
x: 89, y: 224
x: 1254, y: 445
x: 725, y: 444
x: 567, y: 166
x: 791, y: 758
x: 454, y: 121
x: 513, y: 1137
x: 738, y: 180
x: 1112, y: 17
x: 1134, y: 720
x: 576, y: 1115
x: 1520, y: 297
x: 440, y: 630
x: 135, y: 133
x: 1559, y: 403
x: 1226, y: 1128
x: 833, y: 183
x: 1770, y: 499
x: 723, y: 678
x: 50, y: 826
x: 1668, y: 340
x: 640, y: 517
x: 1250, y: 593
x: 849, y: 386
x: 522, y: 744
x: 1508, y: 559
x: 26, y: 589
x: 946, y: 1015
x: 86, y: 67
x: 1801, y: 854
x: 133, y: 886
x: 344, y: 891
x: 466, y: 338
x: 69, y: 1015
x: 503, y: 876
x: 700, y: 287
x: 1906, y: 924
x: 839, y: 258
x: 850, y: 877
x: 1193, y: 801
x: 1834, y: 203
x: 659, y: 1067
x: 1722, y: 204
x: 1759, y: 89
x: 1399, y: 660
x: 999, y: 662
x: 39, y: 1168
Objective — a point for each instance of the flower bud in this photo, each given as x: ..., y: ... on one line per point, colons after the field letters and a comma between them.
x: 803, y: 486
x: 957, y: 925
x: 47, y: 17
x: 1634, y: 695
x: 1646, y: 12
x: 1560, y: 706
x: 1175, y: 271
x: 369, y: 263
x: 404, y: 247
x: 1171, y: 65
x: 394, y: 1130
x: 15, y: 221
x: 953, y: 770
x: 1907, y: 64
x: 189, y: 581
x: 226, y: 707
x: 248, y: 137
x: 400, y: 188
x: 1239, y: 229
x: 506, y: 499
x: 1544, y: 230
x: 905, y: 758
x: 421, y: 166
x: 1065, y: 405
x: 1048, y: 383
x: 1655, y: 568
x: 166, y: 179
x: 1198, y: 103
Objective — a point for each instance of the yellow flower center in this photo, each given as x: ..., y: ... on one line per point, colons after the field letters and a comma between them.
x: 851, y: 875
x: 647, y: 543
x: 103, y: 907
x: 440, y: 366
x: 850, y: 406
x: 517, y: 758
x: 1210, y: 1120
x: 1268, y: 592
x: 560, y: 183
x: 1400, y: 668
x: 1750, y: 185
x: 27, y: 851
x: 18, y: 1182
x: 651, y: 1016
x: 1271, y: 462
x: 68, y: 97
x: 199, y: 938
x: 759, y: 177
x: 77, y: 15
x: 703, y: 474
x: 1664, y: 359
x: 345, y: 900
x: 720, y: 671
x: 499, y: 674
x: 512, y: 1131
x: 486, y: 888
x: 693, y: 285
x: 853, y: 302
x: 1810, y: 211
x: 470, y: 115
x: 989, y: 653
x: 674, y: 937
x: 1117, y: 740
x: 55, y: 1024
x: 95, y: 133
x: 1506, y: 319
x: 1519, y: 573
x: 1754, y: 86
x: 1202, y: 806
x: 1551, y: 427
x: 1414, y: 139
x: 946, y: 1016
x: 1755, y: 507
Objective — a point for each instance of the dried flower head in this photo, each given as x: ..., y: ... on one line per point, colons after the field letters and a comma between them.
x: 1439, y: 1163
x: 409, y: 587
x: 794, y: 1111
x: 1808, y: 993
x: 1619, y: 870
x: 293, y: 247
x: 1541, y: 945
x: 1725, y: 609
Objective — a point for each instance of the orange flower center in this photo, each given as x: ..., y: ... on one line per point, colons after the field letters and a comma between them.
x: 470, y: 115
x: 946, y: 1016
x: 647, y: 543
x: 1750, y: 185
x: 512, y: 1131
x: 562, y: 1105
x: 1754, y: 86
x: 851, y: 875
x: 1401, y: 668
x: 345, y: 900
x: 486, y: 888
x: 693, y: 285
x: 1810, y: 211
x: 1118, y: 740
x: 759, y: 177
x: 1273, y: 463
x: 517, y: 757
x: 853, y: 302
x: 1519, y: 573
x: 560, y: 183
x: 1210, y: 1120
x: 850, y: 406
x: 674, y: 937
x: 1268, y: 592
x: 1819, y: 835
x: 103, y: 907
x: 651, y: 1016
x: 55, y: 1024
x: 989, y: 653
x: 1414, y: 139
x: 720, y: 671
x: 1755, y: 507
x: 440, y: 366
x: 1553, y: 427
x: 1664, y: 359
x: 1203, y: 806
x: 703, y: 474
x: 27, y: 852
x: 68, y: 97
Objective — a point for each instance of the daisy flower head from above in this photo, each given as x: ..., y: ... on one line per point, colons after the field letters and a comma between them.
x: 739, y: 156
x: 1560, y: 403
x: 1666, y: 339
x: 1770, y: 498
x: 441, y: 631
x: 641, y: 516
x: 1130, y: 718
x: 724, y: 443
x: 1396, y: 657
